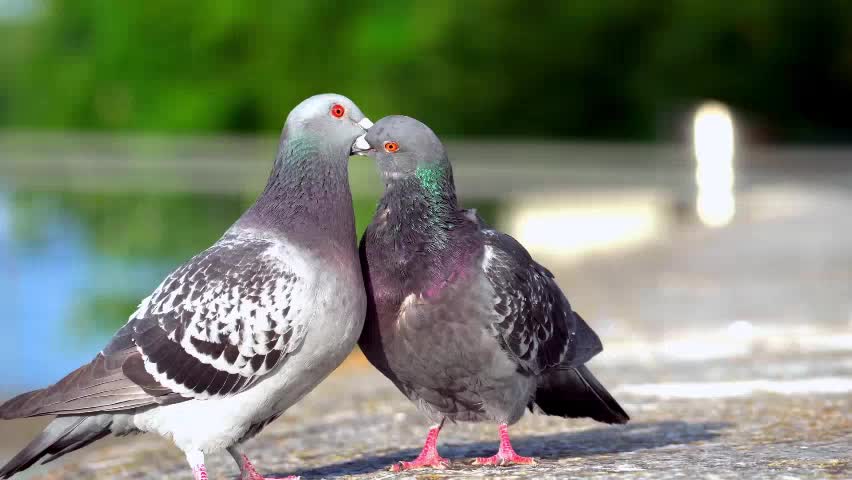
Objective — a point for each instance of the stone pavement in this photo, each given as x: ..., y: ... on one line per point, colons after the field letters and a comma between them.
x: 356, y: 425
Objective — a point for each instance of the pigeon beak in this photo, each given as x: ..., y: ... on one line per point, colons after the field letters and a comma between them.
x: 360, y: 147
x: 365, y: 123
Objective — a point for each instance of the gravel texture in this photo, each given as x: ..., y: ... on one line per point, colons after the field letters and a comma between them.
x: 355, y: 425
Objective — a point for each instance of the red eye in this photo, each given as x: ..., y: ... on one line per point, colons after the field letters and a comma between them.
x: 337, y: 110
x: 391, y: 147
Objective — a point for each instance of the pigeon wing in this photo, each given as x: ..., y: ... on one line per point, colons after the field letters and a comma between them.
x: 221, y: 322
x: 533, y: 320
x: 214, y: 327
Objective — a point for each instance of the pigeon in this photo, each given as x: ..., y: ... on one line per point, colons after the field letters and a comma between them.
x: 240, y: 332
x: 459, y: 316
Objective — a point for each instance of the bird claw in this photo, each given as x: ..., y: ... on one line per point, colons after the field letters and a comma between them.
x: 439, y: 463
x: 502, y: 460
x: 250, y: 473
x: 289, y: 477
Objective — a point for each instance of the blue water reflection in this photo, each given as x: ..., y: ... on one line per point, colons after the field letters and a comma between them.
x: 43, y: 285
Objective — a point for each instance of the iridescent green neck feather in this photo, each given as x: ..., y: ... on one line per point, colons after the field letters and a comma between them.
x: 421, y: 208
x: 432, y: 179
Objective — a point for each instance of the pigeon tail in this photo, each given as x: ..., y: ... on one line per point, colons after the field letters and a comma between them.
x: 576, y: 393
x: 63, y: 435
x: 588, y: 343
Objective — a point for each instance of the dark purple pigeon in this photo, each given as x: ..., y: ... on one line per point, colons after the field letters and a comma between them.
x: 459, y: 316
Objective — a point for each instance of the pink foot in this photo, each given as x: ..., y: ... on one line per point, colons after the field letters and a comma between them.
x: 428, y: 457
x: 503, y: 460
x: 437, y: 462
x: 250, y: 473
x: 199, y: 472
x: 506, y: 454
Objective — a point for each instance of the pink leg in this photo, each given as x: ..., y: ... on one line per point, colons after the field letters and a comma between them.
x: 428, y: 457
x: 196, y: 461
x: 506, y: 454
x: 250, y: 472
x: 199, y: 472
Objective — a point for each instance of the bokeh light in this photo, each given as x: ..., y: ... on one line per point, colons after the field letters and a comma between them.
x: 713, y: 130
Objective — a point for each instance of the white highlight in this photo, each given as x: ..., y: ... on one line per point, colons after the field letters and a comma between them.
x: 713, y: 130
x: 741, y: 330
x: 487, y: 255
x: 365, y: 123
x: 410, y: 300
x: 700, y: 390
x: 740, y: 338
x: 195, y: 459
x: 569, y: 227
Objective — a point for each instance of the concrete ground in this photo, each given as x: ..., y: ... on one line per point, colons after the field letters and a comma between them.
x: 356, y: 425
x: 731, y: 349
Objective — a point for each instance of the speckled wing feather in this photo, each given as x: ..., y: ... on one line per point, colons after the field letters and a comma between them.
x: 214, y: 327
x: 217, y: 324
x: 533, y: 319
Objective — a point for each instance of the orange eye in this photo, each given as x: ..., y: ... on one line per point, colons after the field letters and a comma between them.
x: 337, y: 110
x: 391, y: 147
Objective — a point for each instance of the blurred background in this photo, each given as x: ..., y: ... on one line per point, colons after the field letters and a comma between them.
x: 683, y: 166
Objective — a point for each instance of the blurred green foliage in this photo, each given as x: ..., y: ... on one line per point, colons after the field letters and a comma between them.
x: 599, y: 69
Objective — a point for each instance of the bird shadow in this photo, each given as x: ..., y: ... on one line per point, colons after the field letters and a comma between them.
x: 548, y: 448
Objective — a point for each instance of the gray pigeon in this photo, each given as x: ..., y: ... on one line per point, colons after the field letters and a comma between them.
x: 459, y: 316
x: 240, y: 332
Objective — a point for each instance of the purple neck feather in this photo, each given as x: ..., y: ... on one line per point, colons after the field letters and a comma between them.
x: 307, y: 197
x: 422, y: 238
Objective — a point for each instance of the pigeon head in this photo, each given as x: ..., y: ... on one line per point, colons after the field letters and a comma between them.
x: 403, y: 147
x: 333, y: 118
x: 307, y: 194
